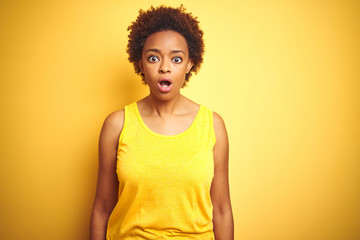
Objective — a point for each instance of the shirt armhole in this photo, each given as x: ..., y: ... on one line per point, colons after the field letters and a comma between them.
x: 212, y: 130
x: 126, y: 112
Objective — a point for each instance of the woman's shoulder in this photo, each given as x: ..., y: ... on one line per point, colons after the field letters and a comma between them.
x: 218, y: 120
x: 191, y: 106
x: 219, y: 128
x: 115, y: 121
x: 116, y: 117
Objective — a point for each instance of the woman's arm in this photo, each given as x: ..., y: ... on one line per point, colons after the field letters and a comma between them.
x: 107, y: 183
x: 220, y: 193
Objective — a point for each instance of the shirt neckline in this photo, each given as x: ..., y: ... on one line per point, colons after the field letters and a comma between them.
x: 166, y: 136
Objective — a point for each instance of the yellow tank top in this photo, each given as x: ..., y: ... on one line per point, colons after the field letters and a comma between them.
x: 164, y: 181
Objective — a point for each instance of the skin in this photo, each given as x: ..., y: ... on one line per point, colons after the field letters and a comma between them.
x: 165, y: 54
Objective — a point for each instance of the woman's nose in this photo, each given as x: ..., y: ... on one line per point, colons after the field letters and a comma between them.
x: 164, y: 67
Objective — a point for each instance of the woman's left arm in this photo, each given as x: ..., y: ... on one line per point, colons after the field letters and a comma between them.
x: 220, y: 193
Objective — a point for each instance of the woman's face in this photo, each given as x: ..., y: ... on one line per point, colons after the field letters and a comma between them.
x: 165, y: 62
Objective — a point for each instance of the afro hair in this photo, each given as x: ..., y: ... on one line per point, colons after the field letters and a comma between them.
x: 161, y: 19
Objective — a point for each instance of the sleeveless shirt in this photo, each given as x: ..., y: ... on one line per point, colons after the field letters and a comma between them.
x: 164, y: 181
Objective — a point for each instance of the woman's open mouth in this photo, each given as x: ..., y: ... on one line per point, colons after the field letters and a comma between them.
x: 165, y: 85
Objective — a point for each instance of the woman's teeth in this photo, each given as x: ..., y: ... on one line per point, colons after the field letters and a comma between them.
x: 165, y: 83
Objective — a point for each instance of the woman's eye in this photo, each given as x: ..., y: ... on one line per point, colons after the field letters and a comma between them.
x: 153, y: 59
x: 177, y: 59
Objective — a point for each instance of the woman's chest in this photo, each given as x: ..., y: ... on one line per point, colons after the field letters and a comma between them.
x: 161, y: 162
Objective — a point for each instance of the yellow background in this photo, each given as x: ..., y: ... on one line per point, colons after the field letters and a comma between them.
x: 283, y: 74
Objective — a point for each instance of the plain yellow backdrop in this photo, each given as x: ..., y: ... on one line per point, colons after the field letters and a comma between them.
x: 283, y: 74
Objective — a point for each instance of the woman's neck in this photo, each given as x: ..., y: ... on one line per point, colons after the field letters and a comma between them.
x: 164, y: 108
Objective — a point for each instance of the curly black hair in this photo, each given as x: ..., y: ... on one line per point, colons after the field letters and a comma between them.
x: 166, y: 18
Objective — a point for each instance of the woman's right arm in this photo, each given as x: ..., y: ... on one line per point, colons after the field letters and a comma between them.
x: 107, y: 183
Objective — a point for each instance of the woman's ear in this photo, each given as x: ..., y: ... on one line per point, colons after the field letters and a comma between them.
x: 189, y: 66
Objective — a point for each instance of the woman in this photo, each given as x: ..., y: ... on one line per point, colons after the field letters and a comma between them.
x: 163, y: 160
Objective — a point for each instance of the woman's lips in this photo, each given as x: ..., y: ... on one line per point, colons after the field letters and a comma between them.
x: 164, y: 85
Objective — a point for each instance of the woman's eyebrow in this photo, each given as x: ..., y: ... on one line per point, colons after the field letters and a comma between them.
x: 178, y: 51
x: 152, y: 50
x: 158, y: 51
